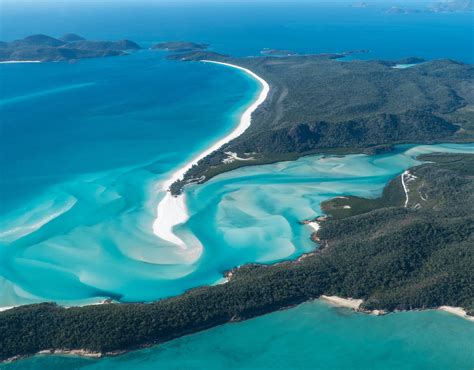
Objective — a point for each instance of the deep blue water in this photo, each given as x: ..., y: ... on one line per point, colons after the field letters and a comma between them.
x: 61, y: 119
x: 246, y: 27
x: 84, y: 147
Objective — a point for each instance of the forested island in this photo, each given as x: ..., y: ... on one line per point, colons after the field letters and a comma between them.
x: 45, y: 48
x: 179, y: 46
x: 319, y: 103
x: 392, y: 253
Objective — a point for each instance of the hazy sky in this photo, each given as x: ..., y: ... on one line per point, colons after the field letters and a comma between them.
x: 207, y: 1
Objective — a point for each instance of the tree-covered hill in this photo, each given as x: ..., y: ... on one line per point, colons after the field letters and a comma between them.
x: 319, y: 103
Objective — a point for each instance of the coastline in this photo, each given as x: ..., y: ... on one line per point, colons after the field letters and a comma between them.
x: 20, y: 61
x: 457, y: 311
x: 172, y: 210
x: 349, y: 303
x: 355, y: 304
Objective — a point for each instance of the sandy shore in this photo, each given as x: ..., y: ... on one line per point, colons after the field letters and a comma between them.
x: 343, y: 302
x: 172, y: 211
x: 355, y: 304
x: 20, y: 61
x: 314, y: 225
x: 458, y: 311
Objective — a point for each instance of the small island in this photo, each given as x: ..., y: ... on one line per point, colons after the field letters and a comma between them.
x: 43, y: 48
x: 179, y: 46
x: 452, y: 6
x: 446, y: 6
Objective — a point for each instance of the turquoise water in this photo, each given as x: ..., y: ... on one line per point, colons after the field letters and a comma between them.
x: 84, y: 147
x: 102, y: 223
x: 311, y: 336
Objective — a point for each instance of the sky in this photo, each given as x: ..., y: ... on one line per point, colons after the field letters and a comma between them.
x: 38, y: 2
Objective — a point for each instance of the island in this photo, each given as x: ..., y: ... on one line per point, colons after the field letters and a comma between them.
x: 449, y: 6
x: 43, y: 48
x: 179, y: 46
x: 391, y: 253
x: 446, y: 6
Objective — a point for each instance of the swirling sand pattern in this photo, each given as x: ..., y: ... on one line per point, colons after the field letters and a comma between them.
x: 101, y: 244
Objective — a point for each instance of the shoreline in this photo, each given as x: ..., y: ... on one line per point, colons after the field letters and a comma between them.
x: 336, y: 301
x: 172, y: 210
x: 20, y: 61
x: 355, y: 304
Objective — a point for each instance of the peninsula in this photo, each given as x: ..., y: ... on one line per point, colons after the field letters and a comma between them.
x: 318, y: 103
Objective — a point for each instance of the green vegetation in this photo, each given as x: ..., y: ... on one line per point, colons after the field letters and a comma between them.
x: 317, y: 103
x: 342, y: 207
x: 393, y: 257
x: 179, y: 46
x: 70, y: 46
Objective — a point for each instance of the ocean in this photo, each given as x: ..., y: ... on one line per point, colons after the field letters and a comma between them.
x: 85, y: 146
x: 310, y: 336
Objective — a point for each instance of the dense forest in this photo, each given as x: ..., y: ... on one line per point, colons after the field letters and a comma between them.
x: 394, y: 257
x: 318, y: 103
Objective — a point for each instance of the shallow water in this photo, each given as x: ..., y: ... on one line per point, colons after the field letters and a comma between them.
x: 310, y: 336
x: 248, y: 215
x: 84, y: 148
x: 85, y: 145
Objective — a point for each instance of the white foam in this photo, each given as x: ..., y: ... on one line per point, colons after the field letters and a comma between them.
x: 172, y: 210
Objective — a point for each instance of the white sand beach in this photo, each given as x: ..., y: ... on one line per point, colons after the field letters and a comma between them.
x: 458, y: 311
x: 355, y: 304
x: 172, y: 210
x: 20, y: 61
x: 314, y: 225
x: 343, y: 302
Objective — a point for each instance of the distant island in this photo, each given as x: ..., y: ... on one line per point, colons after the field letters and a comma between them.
x: 452, y: 6
x: 447, y: 6
x: 179, y: 46
x: 45, y: 48
x: 361, y: 4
